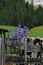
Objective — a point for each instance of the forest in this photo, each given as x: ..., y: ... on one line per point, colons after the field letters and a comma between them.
x: 14, y: 12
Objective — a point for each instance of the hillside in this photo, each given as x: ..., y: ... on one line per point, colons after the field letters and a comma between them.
x: 11, y: 28
x: 36, y: 32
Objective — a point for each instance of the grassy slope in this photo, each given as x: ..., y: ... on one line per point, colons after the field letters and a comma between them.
x: 36, y: 32
x: 11, y: 28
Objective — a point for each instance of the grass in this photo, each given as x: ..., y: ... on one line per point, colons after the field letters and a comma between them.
x: 36, y: 32
x: 11, y: 28
x: 14, y: 51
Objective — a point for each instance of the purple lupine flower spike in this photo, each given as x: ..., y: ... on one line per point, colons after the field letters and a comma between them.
x: 15, y: 35
x: 19, y: 26
x: 20, y: 32
x: 25, y: 31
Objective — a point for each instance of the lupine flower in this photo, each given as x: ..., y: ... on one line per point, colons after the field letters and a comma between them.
x: 25, y: 31
x: 19, y: 26
x: 20, y: 32
x: 15, y: 35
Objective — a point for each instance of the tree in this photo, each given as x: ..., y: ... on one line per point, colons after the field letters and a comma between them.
x: 40, y: 15
x: 13, y: 12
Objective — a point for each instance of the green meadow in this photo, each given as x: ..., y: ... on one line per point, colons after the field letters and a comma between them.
x: 11, y: 28
x: 34, y: 32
